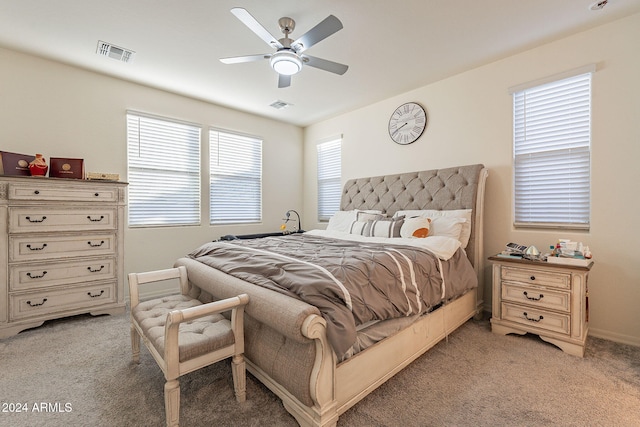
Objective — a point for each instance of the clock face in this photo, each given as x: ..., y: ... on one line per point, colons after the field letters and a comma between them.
x: 407, y: 123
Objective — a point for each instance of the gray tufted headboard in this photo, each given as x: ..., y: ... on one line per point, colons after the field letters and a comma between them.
x: 442, y: 189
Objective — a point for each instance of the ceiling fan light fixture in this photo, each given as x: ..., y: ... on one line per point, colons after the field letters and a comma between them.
x: 285, y: 62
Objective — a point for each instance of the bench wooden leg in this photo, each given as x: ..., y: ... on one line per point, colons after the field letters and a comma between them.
x: 135, y: 344
x: 239, y: 372
x: 172, y: 402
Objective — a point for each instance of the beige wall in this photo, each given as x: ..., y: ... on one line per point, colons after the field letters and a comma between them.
x: 62, y: 111
x: 470, y: 121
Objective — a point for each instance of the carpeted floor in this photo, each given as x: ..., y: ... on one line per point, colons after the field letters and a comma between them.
x: 78, y: 372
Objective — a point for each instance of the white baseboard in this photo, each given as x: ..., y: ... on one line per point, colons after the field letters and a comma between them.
x: 612, y: 336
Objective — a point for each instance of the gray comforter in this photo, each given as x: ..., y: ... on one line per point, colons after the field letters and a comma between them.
x: 350, y: 282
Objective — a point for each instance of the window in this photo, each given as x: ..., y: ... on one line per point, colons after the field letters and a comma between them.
x: 235, y: 177
x: 552, y: 150
x: 329, y: 176
x: 163, y: 171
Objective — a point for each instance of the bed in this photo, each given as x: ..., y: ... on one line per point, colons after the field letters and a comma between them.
x: 294, y: 347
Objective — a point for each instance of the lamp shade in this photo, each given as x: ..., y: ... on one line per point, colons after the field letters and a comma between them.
x: 286, y: 62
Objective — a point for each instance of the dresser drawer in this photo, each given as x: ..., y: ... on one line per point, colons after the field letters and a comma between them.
x: 40, y: 247
x: 535, y: 318
x: 46, y: 302
x: 66, y: 191
x: 36, y: 219
x: 46, y: 274
x: 538, y: 277
x: 537, y: 297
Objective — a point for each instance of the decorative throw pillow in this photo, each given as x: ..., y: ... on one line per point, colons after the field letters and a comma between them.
x: 418, y: 227
x: 385, y: 227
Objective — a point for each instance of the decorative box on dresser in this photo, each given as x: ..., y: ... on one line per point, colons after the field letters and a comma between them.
x: 61, y: 250
x: 549, y: 300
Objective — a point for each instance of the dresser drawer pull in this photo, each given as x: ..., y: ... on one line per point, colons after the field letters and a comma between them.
x: 95, y: 220
x: 44, y: 245
x: 36, y: 220
x: 36, y: 192
x: 96, y: 295
x: 532, y: 277
x: 40, y: 276
x: 532, y: 319
x: 95, y: 245
x: 532, y: 298
x: 96, y: 270
x: 35, y: 304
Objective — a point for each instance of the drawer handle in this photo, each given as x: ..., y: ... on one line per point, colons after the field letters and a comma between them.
x: 96, y: 245
x: 96, y: 194
x: 532, y: 277
x: 532, y: 298
x: 36, y: 220
x: 44, y: 245
x: 37, y: 276
x: 95, y: 220
x: 36, y: 304
x: 532, y: 319
x: 96, y: 270
x: 36, y: 192
x: 96, y: 295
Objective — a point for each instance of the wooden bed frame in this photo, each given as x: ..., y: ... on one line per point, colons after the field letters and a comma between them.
x: 286, y: 346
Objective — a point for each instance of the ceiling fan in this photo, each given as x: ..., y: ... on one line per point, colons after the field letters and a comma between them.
x: 289, y: 58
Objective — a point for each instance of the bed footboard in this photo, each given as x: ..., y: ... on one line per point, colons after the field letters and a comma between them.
x: 285, y: 343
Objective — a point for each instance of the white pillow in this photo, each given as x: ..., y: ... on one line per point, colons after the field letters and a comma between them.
x: 447, y: 226
x: 465, y: 233
x: 416, y: 227
x: 342, y: 220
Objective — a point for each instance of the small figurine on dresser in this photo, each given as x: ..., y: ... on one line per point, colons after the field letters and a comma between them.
x: 38, y: 167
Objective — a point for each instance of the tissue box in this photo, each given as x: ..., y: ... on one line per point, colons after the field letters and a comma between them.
x: 14, y: 163
x: 60, y: 167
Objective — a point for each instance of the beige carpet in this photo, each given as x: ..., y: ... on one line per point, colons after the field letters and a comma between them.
x: 77, y: 372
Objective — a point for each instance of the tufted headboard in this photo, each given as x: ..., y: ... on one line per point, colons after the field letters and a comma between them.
x: 442, y: 189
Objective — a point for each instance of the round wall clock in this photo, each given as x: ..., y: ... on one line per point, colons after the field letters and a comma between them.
x: 407, y: 123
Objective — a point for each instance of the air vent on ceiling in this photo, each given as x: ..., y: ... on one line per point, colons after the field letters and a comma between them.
x: 279, y: 105
x: 599, y: 5
x: 115, y: 52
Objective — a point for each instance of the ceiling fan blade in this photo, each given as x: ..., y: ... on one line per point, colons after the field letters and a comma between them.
x: 326, y: 65
x: 251, y: 22
x: 284, y: 81
x: 247, y: 58
x: 324, y: 29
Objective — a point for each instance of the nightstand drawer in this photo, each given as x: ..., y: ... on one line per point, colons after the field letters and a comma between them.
x: 537, y: 297
x: 32, y: 248
x: 46, y: 274
x: 33, y: 220
x: 534, y: 318
x: 46, y: 302
x: 537, y: 277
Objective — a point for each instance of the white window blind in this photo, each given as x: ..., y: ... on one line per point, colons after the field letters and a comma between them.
x: 235, y: 177
x: 552, y: 145
x: 329, y: 177
x: 163, y: 171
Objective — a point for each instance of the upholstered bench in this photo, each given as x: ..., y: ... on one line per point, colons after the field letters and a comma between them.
x: 183, y: 334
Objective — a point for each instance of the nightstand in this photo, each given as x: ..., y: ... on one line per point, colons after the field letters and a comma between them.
x: 549, y: 300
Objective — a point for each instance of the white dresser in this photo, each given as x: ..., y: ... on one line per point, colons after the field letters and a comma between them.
x: 61, y: 250
x: 550, y: 300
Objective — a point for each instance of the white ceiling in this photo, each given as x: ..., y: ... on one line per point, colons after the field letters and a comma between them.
x: 390, y: 46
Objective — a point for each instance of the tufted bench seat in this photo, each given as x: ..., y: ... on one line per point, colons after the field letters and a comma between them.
x: 183, y: 334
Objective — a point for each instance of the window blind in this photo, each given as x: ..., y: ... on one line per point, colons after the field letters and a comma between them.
x: 235, y: 177
x: 163, y: 171
x: 329, y: 178
x: 552, y: 149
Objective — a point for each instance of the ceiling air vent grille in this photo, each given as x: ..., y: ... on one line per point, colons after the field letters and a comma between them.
x: 115, y: 52
x: 279, y: 105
